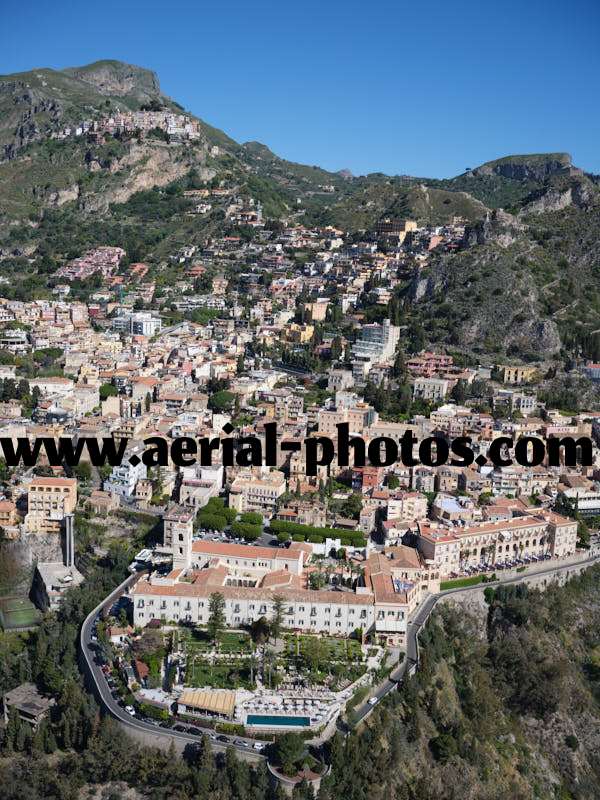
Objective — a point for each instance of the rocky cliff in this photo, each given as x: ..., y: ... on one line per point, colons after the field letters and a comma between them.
x: 117, y: 79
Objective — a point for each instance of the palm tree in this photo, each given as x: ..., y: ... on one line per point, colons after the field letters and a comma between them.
x: 252, y: 663
x: 268, y: 661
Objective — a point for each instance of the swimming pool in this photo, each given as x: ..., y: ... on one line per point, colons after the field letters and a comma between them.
x: 272, y: 721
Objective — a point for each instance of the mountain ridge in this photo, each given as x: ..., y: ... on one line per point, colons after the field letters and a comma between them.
x: 512, y: 206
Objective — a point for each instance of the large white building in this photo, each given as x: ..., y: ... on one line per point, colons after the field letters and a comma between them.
x: 431, y: 389
x: 251, y: 578
x: 140, y: 323
x: 376, y: 343
x: 124, y: 478
x: 453, y: 548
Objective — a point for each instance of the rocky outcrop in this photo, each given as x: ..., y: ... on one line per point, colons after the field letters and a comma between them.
x: 497, y: 226
x: 528, y: 168
x: 579, y: 192
x: 118, y: 79
x: 31, y: 117
x: 41, y: 547
x: 144, y: 167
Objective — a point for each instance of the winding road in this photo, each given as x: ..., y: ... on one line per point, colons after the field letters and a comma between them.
x: 414, y: 627
x: 150, y: 733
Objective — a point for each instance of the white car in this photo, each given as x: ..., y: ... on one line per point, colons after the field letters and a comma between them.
x: 373, y: 701
x: 130, y: 710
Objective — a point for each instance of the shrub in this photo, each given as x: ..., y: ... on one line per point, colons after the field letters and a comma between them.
x: 443, y: 747
x: 252, y: 518
x: 309, y: 532
x: 571, y: 741
x: 246, y: 531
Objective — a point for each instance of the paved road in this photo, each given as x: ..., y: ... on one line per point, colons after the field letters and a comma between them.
x: 409, y: 663
x: 414, y: 627
x: 103, y: 693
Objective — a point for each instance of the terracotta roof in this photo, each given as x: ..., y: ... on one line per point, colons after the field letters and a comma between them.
x: 53, y: 482
x: 141, y: 670
x: 203, y: 590
x: 244, y: 551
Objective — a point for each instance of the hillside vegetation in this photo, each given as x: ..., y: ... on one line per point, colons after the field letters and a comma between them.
x: 507, y: 706
x: 523, y: 283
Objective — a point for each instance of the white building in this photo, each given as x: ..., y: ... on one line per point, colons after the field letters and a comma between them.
x: 431, y: 389
x: 376, y: 343
x: 140, y: 323
x: 123, y: 479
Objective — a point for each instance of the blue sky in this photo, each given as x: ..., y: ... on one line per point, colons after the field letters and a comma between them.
x: 420, y: 88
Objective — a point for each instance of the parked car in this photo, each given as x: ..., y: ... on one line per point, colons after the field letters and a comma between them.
x: 373, y: 701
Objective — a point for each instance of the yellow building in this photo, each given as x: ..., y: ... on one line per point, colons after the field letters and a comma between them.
x: 300, y: 333
x: 517, y: 374
x: 317, y: 311
x: 49, y: 500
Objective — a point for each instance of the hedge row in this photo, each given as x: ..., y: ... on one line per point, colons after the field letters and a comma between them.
x: 309, y: 533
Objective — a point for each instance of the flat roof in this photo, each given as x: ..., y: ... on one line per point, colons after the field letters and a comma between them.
x: 218, y: 702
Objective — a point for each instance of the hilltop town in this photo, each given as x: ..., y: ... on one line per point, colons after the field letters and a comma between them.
x: 299, y: 326
x: 175, y: 284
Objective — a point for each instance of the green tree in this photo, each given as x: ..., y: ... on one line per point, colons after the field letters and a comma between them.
x: 288, y: 751
x: 222, y: 401
x: 278, y: 616
x: 216, y: 615
x: 108, y: 390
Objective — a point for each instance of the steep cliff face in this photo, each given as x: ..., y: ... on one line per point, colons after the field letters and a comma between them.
x: 559, y: 193
x: 497, y: 226
x: 482, y: 300
x: 527, y: 167
x: 143, y: 167
x: 504, y: 706
x: 115, y: 78
x: 27, y: 115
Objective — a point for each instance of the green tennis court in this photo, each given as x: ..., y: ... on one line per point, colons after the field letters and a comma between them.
x: 18, y: 612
